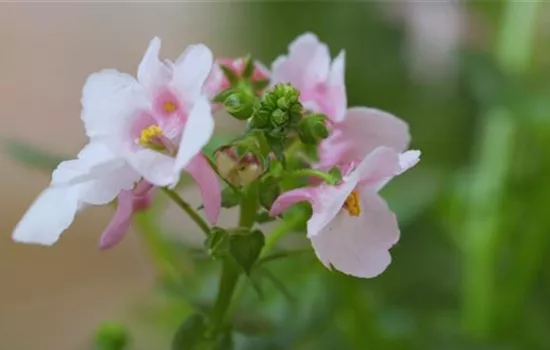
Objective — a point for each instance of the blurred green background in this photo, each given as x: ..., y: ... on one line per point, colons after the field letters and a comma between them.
x: 471, y: 270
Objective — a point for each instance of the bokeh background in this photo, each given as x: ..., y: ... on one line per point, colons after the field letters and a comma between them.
x: 471, y: 270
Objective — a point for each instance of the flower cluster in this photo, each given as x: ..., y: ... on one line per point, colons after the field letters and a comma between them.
x: 144, y: 131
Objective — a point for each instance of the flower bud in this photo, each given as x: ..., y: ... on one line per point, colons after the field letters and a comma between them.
x: 240, y: 104
x: 312, y: 129
x: 238, y: 170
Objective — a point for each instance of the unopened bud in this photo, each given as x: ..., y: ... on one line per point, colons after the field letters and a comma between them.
x: 240, y: 105
x: 239, y: 171
x: 312, y: 129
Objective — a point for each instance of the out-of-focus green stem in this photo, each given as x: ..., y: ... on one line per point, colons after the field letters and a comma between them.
x: 481, y: 227
x: 480, y: 230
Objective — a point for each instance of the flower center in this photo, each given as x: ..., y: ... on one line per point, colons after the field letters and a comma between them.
x: 153, y: 137
x: 169, y: 106
x: 352, y: 204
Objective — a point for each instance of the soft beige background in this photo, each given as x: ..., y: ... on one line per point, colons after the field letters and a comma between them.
x: 52, y: 298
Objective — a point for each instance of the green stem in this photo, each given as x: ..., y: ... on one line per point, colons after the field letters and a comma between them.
x: 189, y: 210
x: 249, y: 206
x: 228, y: 282
x: 311, y: 172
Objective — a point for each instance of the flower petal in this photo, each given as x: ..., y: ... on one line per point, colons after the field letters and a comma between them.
x: 358, y: 246
x: 328, y: 204
x: 50, y: 214
x: 190, y: 72
x: 197, y: 133
x: 363, y: 129
x: 120, y: 223
x: 379, y: 167
x: 336, y: 101
x: 153, y: 73
x: 306, y: 64
x: 107, y: 186
x: 155, y: 167
x: 206, y: 179
x: 285, y: 200
x: 110, y: 100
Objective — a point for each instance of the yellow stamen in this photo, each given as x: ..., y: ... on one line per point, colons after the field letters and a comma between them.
x: 169, y: 107
x: 353, y: 204
x: 149, y: 134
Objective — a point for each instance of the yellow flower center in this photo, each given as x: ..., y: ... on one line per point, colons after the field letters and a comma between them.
x: 149, y: 135
x: 169, y: 106
x: 353, y: 204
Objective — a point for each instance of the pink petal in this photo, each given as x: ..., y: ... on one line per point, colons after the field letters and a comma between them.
x: 336, y: 99
x: 358, y: 246
x: 206, y: 179
x: 285, y: 200
x: 120, y: 223
x: 328, y: 204
x: 363, y: 129
x: 152, y: 73
x: 378, y: 166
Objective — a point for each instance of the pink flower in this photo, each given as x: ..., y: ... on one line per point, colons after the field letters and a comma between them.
x: 308, y: 67
x: 143, y: 133
x: 217, y: 82
x: 160, y: 122
x: 352, y: 228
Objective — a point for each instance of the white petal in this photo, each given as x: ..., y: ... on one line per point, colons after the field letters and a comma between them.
x: 155, y: 167
x: 358, y: 246
x: 110, y: 100
x: 190, y: 72
x: 198, y: 131
x: 105, y: 188
x: 50, y: 214
x: 152, y: 73
x: 94, y: 160
x: 328, y: 204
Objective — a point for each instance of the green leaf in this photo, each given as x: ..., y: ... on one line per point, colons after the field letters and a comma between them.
x: 190, y: 333
x: 246, y: 248
x: 217, y: 243
x: 249, y: 67
x: 32, y: 156
x: 232, y: 78
x: 252, y: 324
x: 230, y: 197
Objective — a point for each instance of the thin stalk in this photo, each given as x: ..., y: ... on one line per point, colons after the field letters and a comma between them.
x: 203, y: 225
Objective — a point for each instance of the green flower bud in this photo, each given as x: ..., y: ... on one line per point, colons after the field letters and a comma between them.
x: 279, y: 117
x: 312, y: 129
x: 240, y: 105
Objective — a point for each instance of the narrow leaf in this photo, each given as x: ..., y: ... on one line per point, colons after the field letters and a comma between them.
x: 32, y: 156
x: 190, y: 333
